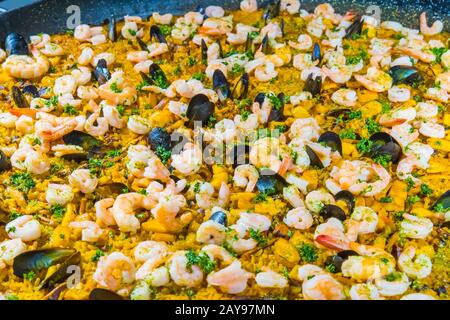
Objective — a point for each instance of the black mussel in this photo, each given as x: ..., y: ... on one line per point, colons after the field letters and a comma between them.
x: 265, y: 45
x: 276, y: 113
x: 313, y: 84
x: 204, y: 49
x: 158, y: 76
x: 313, y: 157
x: 19, y: 98
x: 32, y: 90
x: 39, y: 261
x: 77, y: 157
x: 331, y: 140
x: 249, y: 44
x: 15, y: 44
x: 332, y: 211
x: 335, y: 262
x: 272, y: 10
x: 199, y: 109
x: 385, y: 145
x: 240, y: 155
x: 347, y: 197
x: 156, y: 33
x: 282, y: 25
x: 104, y: 294
x: 405, y: 74
x: 159, y: 138
x: 240, y: 90
x: 338, y: 112
x: 443, y: 203
x: 270, y: 183
x: 355, y: 28
x: 82, y: 139
x: 260, y: 97
x: 101, y: 72
x: 221, y: 85
x: 110, y: 190
x: 5, y: 163
x: 142, y: 44
x: 220, y: 51
x: 219, y: 217
x: 112, y: 31
x: 316, y: 54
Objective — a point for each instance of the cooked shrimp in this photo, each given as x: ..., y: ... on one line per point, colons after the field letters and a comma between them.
x: 266, y: 72
x: 24, y: 67
x: 415, y: 227
x: 367, y: 219
x: 364, y: 291
x: 246, y: 176
x: 117, y: 90
x: 338, y: 75
x: 316, y: 199
x: 404, y: 133
x: 397, y: 116
x: 155, y: 169
x: 418, y: 268
x: 271, y: 279
x: 138, y: 125
x: 304, y: 42
x: 291, y: 6
x: 114, y: 270
x: 398, y: 94
x: 217, y: 252
x: 181, y: 274
x: 211, y: 232
x: 420, y: 54
x: 25, y: 228
x: 292, y: 194
x: 232, y: 279
x: 162, y: 18
x: 125, y: 207
x: 393, y: 287
x: 436, y: 28
x: 345, y: 97
x: 58, y: 194
x: 103, y: 212
x: 83, y: 180
x: 317, y: 285
x: 249, y: 6
x: 86, y: 56
x: 189, y: 160
x: 299, y: 218
x: 91, y: 231
x: 375, y: 80
x: 112, y: 115
x: 96, y: 125
x: 9, y: 249
x: 53, y: 128
x: 432, y: 130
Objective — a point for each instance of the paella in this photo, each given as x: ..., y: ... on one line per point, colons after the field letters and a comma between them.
x: 262, y: 153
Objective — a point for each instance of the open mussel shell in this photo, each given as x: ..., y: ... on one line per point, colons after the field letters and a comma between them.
x: 157, y: 76
x: 276, y: 114
x: 19, y: 98
x: 270, y: 183
x: 15, y: 44
x: 39, y: 261
x: 112, y: 30
x: 219, y: 217
x: 331, y: 140
x: 313, y: 84
x: 355, y: 28
x: 89, y: 143
x: 332, y: 211
x: 405, y: 74
x: 384, y: 144
x: 159, y: 138
x: 272, y: 10
x: 249, y: 44
x: 104, y: 294
x: 338, y: 259
x: 240, y: 155
x: 338, y: 112
x: 240, y: 90
x: 31, y: 90
x: 265, y: 45
x: 101, y: 72
x: 313, y: 158
x: 5, y: 163
x: 204, y: 50
x: 221, y: 85
x: 155, y: 33
x: 199, y: 109
x: 142, y: 44
x: 443, y: 202
x: 260, y: 97
x: 316, y: 54
x: 348, y: 198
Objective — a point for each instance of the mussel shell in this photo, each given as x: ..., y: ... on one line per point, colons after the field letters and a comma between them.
x: 270, y: 183
x: 221, y: 85
x: 385, y: 144
x: 316, y: 54
x: 101, y: 72
x: 86, y: 141
x: 104, y: 294
x: 61, y: 272
x: 313, y: 85
x: 77, y: 157
x: 332, y: 140
x: 5, y: 163
x: 15, y: 44
x: 354, y: 28
x: 156, y: 33
x: 344, y: 254
x: 405, y: 74
x: 260, y: 97
x: 332, y: 211
x: 249, y: 44
x: 443, y: 201
x: 313, y: 158
x: 338, y: 259
x: 265, y: 45
x: 347, y: 197
x: 112, y: 31
x: 240, y: 155
x: 277, y: 114
x: 338, y: 112
x: 158, y: 76
x: 272, y: 10
x: 142, y: 44
x: 219, y: 217
x: 19, y: 98
x: 159, y: 137
x: 39, y: 260
x: 32, y: 90
x: 240, y: 90
x: 204, y: 49
x: 199, y: 109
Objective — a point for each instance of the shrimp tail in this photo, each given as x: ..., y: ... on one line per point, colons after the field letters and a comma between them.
x: 333, y: 242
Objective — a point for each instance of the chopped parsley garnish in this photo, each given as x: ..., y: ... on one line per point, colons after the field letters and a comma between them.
x: 385, y: 106
x: 115, y: 88
x: 163, y: 154
x: 308, y: 252
x: 211, y: 121
x: 22, y: 181
x: 200, y: 76
x: 253, y: 34
x: 197, y: 187
x: 121, y: 109
x: 165, y: 29
x: 425, y: 190
x: 191, y: 61
x: 258, y: 237
x: 393, y: 276
x: 275, y: 101
x: 438, y: 52
x: 410, y: 200
x: 70, y: 110
x: 57, y: 211
x: 29, y: 276
x: 364, y: 146
x: 361, y: 55
x: 356, y: 114
x: 347, y: 134
x: 386, y: 199
x: 410, y: 183
x: 440, y: 208
x: 98, y: 253
x: 260, y: 197
x: 202, y: 260
x: 382, y: 159
x: 237, y: 70
x: 331, y: 268
x: 372, y: 126
x: 113, y: 153
x: 132, y: 32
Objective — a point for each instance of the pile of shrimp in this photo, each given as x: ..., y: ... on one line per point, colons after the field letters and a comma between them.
x: 154, y: 223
